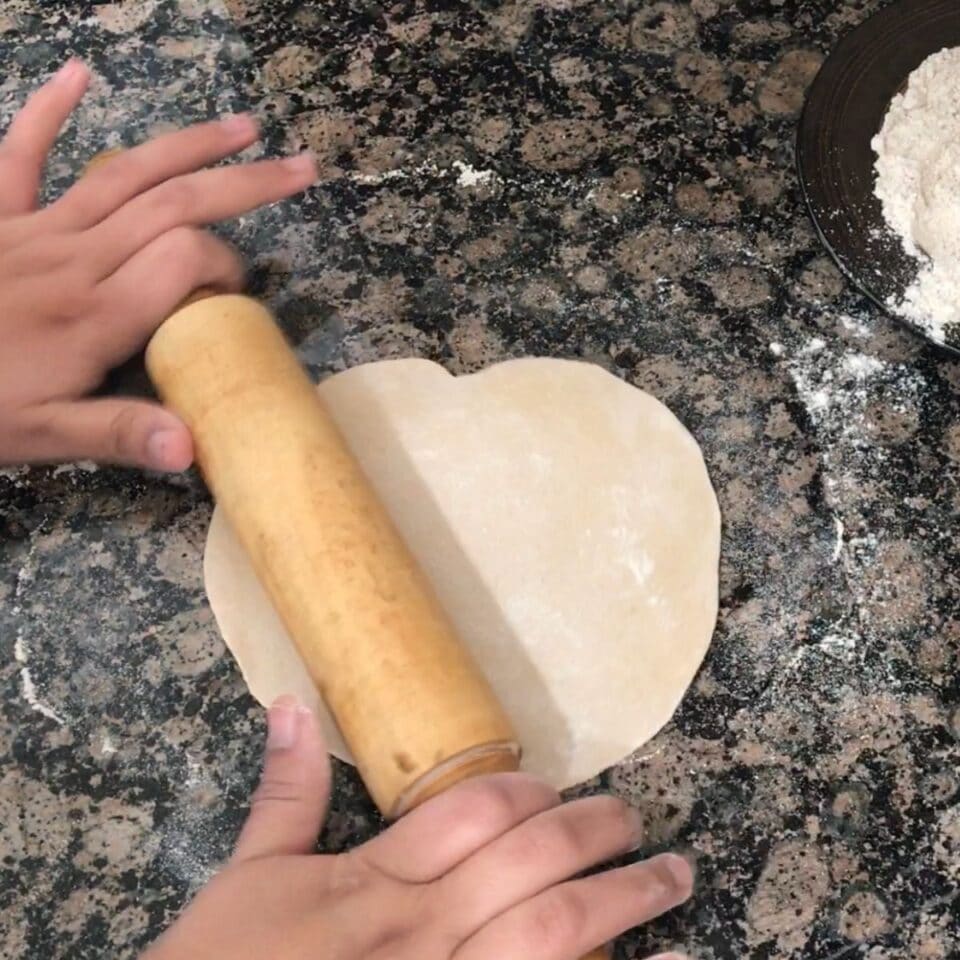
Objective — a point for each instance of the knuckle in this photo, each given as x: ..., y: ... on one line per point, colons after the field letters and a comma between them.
x: 79, y: 295
x: 490, y: 803
x: 623, y: 819
x: 565, y: 833
x: 536, y: 845
x: 182, y: 251
x: 556, y: 838
x: 393, y: 943
x: 176, y: 198
x: 196, y: 255
x: 32, y: 426
x: 184, y: 244
x: 405, y: 929
x: 556, y: 922
x: 72, y: 287
x: 18, y: 156
x: 124, y: 434
x: 350, y: 874
x: 273, y: 789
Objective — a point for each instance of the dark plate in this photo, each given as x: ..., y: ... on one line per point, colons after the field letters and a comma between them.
x: 844, y: 111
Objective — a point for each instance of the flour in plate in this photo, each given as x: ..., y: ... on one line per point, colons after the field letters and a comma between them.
x: 918, y: 185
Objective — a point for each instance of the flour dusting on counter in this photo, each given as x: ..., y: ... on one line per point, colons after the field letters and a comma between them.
x: 21, y: 654
x: 859, y: 405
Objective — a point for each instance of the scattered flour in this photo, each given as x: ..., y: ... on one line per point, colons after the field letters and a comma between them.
x: 855, y: 326
x: 380, y: 176
x: 469, y: 177
x: 14, y: 474
x: 72, y: 469
x: 21, y: 654
x: 838, y: 545
x: 21, y: 650
x: 918, y: 184
x: 841, y: 387
x: 860, y: 366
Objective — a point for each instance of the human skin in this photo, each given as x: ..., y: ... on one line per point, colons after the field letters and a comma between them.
x: 86, y: 280
x: 483, y: 871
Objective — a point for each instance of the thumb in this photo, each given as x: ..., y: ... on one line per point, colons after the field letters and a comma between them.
x: 290, y: 804
x: 118, y: 430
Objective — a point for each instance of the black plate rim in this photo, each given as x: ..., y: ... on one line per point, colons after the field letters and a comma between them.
x: 899, y: 14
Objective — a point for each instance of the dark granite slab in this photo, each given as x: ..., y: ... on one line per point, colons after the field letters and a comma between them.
x: 606, y: 180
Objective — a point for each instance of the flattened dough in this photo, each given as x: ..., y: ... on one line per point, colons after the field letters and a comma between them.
x: 568, y: 524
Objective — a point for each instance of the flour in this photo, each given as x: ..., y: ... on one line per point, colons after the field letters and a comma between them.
x: 842, y: 387
x: 467, y: 176
x: 21, y: 654
x: 918, y: 185
x: 838, y: 544
x: 860, y: 366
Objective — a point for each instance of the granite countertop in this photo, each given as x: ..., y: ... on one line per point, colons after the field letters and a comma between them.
x: 578, y: 178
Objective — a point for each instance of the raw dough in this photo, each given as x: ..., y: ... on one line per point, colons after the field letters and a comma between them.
x: 568, y: 524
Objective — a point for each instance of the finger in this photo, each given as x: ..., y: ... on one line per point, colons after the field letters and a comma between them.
x: 544, y: 850
x: 104, y: 189
x: 133, y: 433
x: 567, y: 921
x: 289, y: 805
x: 32, y: 134
x: 434, y: 838
x: 139, y: 296
x: 197, y: 199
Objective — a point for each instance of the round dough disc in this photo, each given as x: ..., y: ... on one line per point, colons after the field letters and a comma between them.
x: 568, y: 524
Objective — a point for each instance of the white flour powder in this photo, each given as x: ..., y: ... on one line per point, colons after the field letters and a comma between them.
x: 918, y: 184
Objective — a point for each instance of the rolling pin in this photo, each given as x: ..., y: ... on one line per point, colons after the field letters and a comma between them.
x: 413, y: 706
x: 415, y: 709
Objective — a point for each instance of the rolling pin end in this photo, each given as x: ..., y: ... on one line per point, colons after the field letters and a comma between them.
x: 481, y: 761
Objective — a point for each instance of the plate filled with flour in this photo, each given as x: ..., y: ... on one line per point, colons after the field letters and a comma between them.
x: 878, y: 153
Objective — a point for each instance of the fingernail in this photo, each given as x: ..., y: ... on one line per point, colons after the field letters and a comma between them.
x: 69, y: 71
x: 283, y: 723
x: 239, y: 125
x: 158, y: 448
x: 679, y: 871
x: 302, y: 164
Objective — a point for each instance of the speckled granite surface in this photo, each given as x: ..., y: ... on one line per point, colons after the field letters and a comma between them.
x: 607, y: 180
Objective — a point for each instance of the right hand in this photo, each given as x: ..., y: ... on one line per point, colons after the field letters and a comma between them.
x: 481, y: 872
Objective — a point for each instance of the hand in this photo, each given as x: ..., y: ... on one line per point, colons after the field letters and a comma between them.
x: 86, y: 280
x: 480, y: 872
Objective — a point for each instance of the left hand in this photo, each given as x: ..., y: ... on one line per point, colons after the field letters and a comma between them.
x: 85, y: 281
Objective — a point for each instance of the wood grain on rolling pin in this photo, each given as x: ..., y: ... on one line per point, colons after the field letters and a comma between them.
x: 413, y: 706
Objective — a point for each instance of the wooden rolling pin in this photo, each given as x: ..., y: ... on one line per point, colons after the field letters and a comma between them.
x: 414, y: 707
